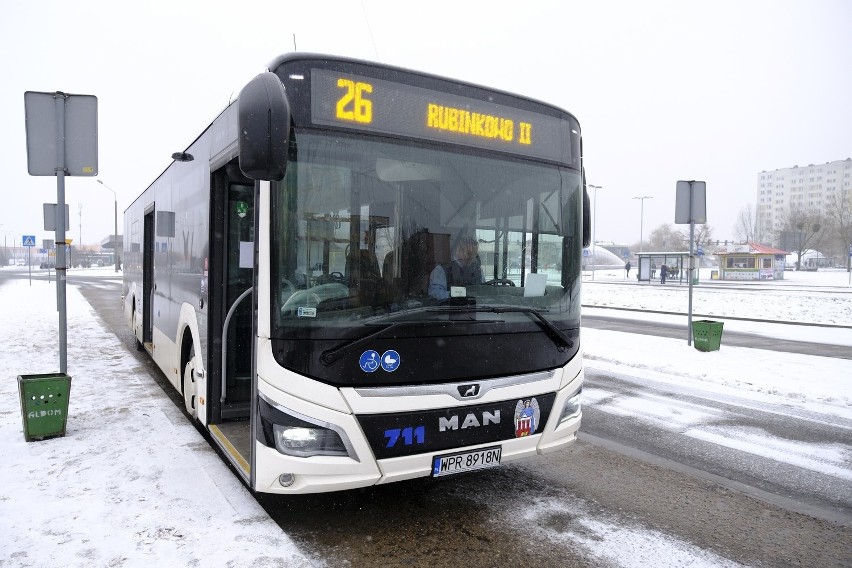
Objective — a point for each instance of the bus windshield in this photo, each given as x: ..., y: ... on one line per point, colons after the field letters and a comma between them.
x: 367, y: 231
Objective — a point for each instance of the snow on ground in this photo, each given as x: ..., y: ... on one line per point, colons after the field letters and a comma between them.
x: 821, y: 383
x: 132, y: 482
x: 829, y: 459
x: 811, y: 297
x: 571, y: 523
x: 674, y: 414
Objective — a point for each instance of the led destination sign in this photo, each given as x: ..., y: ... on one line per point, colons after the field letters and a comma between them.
x: 376, y: 105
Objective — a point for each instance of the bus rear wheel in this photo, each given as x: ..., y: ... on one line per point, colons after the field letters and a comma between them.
x: 190, y: 390
x: 139, y: 345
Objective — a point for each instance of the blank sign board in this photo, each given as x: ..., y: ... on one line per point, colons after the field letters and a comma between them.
x: 50, y: 217
x: 79, y: 148
x: 698, y: 190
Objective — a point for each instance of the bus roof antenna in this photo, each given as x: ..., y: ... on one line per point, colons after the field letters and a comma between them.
x: 370, y: 30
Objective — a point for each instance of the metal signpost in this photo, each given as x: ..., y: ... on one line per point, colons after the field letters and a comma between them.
x: 29, y: 242
x: 691, y: 207
x: 62, y: 139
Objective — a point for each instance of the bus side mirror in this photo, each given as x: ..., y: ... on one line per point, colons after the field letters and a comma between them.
x: 587, y: 219
x: 263, y: 119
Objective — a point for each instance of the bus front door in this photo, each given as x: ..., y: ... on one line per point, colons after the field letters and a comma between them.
x: 239, y: 266
x: 230, y: 324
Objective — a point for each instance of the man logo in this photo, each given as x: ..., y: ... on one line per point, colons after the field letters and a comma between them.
x: 470, y: 421
x: 468, y: 391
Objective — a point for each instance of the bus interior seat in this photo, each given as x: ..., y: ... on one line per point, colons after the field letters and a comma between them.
x: 422, y: 253
x: 388, y: 268
x: 362, y: 273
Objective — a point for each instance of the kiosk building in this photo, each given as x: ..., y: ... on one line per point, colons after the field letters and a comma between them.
x: 750, y: 261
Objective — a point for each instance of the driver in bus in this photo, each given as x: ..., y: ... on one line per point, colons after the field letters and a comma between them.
x: 464, y: 269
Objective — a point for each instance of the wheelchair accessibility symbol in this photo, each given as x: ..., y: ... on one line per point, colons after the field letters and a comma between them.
x: 369, y: 361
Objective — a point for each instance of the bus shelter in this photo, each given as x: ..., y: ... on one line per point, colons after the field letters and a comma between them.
x: 651, y: 266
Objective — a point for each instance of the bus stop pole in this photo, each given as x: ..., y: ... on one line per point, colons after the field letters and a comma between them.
x: 689, y: 272
x: 59, y: 99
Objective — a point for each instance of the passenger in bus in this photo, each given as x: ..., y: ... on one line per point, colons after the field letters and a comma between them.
x: 464, y: 269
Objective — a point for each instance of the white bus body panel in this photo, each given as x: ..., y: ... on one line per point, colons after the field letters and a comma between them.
x: 339, y: 407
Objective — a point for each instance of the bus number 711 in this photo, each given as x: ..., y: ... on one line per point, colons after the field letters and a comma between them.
x: 409, y: 436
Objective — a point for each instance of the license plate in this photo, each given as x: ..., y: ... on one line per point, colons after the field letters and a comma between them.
x: 465, y: 461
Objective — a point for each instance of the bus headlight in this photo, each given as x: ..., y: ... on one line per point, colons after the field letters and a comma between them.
x: 294, y: 434
x: 305, y: 442
x: 572, y: 407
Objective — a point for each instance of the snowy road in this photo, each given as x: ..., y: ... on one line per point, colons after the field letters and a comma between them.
x: 799, y: 459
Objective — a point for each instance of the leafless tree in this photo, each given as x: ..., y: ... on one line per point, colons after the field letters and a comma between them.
x: 801, y: 230
x: 745, y: 229
x: 839, y: 224
x: 664, y: 238
x: 667, y: 238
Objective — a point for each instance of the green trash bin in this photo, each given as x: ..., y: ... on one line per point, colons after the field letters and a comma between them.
x: 44, y: 404
x: 707, y: 334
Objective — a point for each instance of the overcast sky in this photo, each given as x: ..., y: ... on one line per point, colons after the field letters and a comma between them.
x: 664, y: 90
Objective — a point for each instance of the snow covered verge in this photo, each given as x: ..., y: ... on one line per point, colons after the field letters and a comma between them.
x: 132, y: 483
x: 809, y: 297
x: 820, y: 384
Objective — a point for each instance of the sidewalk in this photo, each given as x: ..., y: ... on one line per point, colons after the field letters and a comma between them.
x: 132, y: 483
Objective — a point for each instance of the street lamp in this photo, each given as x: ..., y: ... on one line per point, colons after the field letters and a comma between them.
x: 6, y: 244
x: 594, y: 226
x: 642, y: 217
x: 5, y: 248
x: 115, y: 235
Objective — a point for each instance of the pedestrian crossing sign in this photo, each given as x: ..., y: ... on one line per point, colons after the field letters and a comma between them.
x: 28, y: 241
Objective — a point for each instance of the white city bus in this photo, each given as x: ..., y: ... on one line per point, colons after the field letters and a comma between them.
x: 291, y: 273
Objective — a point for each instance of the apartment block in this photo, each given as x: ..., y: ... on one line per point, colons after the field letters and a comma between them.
x: 810, y: 188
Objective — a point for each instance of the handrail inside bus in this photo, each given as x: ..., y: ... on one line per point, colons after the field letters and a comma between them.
x: 225, y: 340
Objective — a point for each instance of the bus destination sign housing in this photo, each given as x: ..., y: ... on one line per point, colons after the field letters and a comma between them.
x: 369, y: 104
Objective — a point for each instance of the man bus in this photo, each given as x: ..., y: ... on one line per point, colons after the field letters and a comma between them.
x: 278, y: 273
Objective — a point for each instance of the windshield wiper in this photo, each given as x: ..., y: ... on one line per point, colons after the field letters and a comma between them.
x: 329, y: 356
x: 559, y: 337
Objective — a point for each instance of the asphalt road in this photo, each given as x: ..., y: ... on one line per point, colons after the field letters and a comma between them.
x: 628, y: 489
x: 784, y: 454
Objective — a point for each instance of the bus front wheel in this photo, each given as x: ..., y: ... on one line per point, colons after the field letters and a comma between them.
x: 190, y: 393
